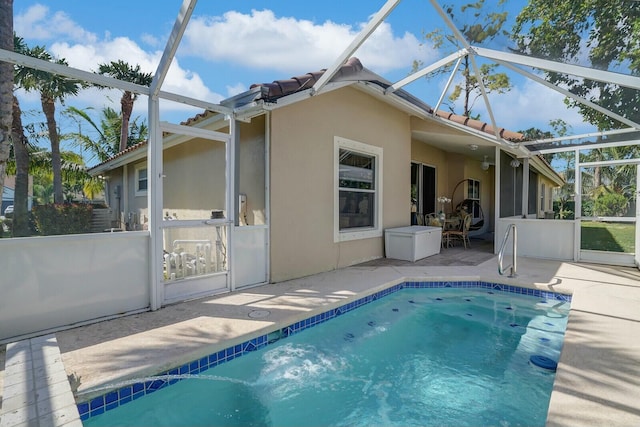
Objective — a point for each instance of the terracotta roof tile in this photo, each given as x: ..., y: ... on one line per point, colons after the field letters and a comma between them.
x: 480, y: 126
x: 279, y: 88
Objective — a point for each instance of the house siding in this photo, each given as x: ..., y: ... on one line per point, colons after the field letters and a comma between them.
x: 301, y: 170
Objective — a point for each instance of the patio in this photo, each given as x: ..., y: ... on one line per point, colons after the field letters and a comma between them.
x: 597, y: 379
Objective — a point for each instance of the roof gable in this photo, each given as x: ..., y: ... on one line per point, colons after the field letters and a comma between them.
x: 351, y: 71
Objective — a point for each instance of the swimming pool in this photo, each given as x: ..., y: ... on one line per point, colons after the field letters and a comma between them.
x: 456, y: 355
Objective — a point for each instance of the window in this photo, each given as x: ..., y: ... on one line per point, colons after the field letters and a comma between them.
x: 141, y: 180
x: 358, y: 190
x: 473, y: 195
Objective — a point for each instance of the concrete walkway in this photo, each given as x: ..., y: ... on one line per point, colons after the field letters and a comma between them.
x: 598, y: 378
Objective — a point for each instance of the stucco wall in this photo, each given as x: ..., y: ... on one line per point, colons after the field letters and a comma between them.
x: 252, y: 170
x: 302, y: 193
x: 136, y: 203
x: 194, y: 183
x: 548, y: 195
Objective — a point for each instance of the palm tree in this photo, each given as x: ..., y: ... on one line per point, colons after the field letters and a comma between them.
x: 123, y: 71
x: 21, y: 156
x: 6, y: 86
x: 74, y: 173
x: 52, y: 88
x: 104, y: 140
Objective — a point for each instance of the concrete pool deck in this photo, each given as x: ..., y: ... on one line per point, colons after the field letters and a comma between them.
x: 598, y: 378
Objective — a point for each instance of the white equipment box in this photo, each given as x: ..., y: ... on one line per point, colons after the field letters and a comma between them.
x: 412, y: 243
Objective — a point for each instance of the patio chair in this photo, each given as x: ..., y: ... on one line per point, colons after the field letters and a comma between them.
x: 462, y: 234
x: 432, y: 219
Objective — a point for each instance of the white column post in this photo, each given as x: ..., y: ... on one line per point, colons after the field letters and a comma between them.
x: 154, y: 202
x: 496, y: 192
x: 525, y: 188
x: 577, y: 207
x: 232, y: 200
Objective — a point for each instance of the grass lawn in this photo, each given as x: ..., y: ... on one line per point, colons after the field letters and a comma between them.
x: 613, y: 237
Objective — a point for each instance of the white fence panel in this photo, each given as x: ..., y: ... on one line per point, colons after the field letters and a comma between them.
x: 56, y: 281
x: 250, y: 255
x: 540, y: 238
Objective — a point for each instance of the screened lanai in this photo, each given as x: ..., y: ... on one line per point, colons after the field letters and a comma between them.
x: 488, y: 61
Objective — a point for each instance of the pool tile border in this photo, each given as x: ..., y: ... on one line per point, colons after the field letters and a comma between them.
x: 113, y: 399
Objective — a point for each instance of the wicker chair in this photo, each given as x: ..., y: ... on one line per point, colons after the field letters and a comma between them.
x: 462, y: 234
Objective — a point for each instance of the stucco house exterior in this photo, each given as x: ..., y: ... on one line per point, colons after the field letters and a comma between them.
x: 321, y: 176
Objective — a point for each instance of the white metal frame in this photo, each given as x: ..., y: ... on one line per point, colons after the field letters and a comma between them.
x: 155, y: 93
x: 603, y: 256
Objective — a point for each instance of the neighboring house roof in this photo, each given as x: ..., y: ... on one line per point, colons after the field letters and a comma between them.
x: 351, y: 71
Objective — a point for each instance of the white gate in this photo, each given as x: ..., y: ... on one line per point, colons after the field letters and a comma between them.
x: 606, y: 229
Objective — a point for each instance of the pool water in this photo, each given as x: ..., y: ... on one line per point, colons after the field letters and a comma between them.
x: 452, y: 357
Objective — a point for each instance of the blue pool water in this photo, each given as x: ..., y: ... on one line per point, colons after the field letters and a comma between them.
x: 456, y: 357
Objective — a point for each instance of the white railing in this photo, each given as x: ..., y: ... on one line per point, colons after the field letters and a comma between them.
x: 502, y: 269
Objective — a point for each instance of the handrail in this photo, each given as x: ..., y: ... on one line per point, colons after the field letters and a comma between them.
x: 502, y: 269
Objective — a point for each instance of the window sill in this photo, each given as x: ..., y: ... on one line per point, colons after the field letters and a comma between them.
x: 345, y: 236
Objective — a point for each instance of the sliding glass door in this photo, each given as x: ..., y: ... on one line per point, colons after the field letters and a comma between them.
x: 423, y: 191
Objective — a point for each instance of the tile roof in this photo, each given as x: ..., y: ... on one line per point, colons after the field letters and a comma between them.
x: 481, y: 126
x: 352, y: 70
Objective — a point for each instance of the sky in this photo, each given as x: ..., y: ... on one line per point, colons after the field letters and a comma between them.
x: 230, y: 45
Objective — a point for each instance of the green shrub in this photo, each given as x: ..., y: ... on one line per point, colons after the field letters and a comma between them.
x: 564, y: 210
x: 588, y: 207
x: 55, y: 219
x: 611, y: 204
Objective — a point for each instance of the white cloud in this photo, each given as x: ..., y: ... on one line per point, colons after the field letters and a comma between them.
x: 262, y: 40
x: 528, y: 104
x: 531, y: 105
x: 88, y: 56
x: 85, y: 51
x: 383, y: 51
x: 258, y: 40
x: 235, y: 89
x: 150, y: 40
x: 39, y: 23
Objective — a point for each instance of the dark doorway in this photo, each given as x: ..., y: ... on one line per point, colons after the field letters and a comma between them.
x: 423, y: 190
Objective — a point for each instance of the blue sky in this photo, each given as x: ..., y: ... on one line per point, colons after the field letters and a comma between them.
x: 230, y: 45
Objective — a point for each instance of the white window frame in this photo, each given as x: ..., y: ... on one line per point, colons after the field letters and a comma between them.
x: 138, y: 168
x: 369, y: 150
x: 475, y: 184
